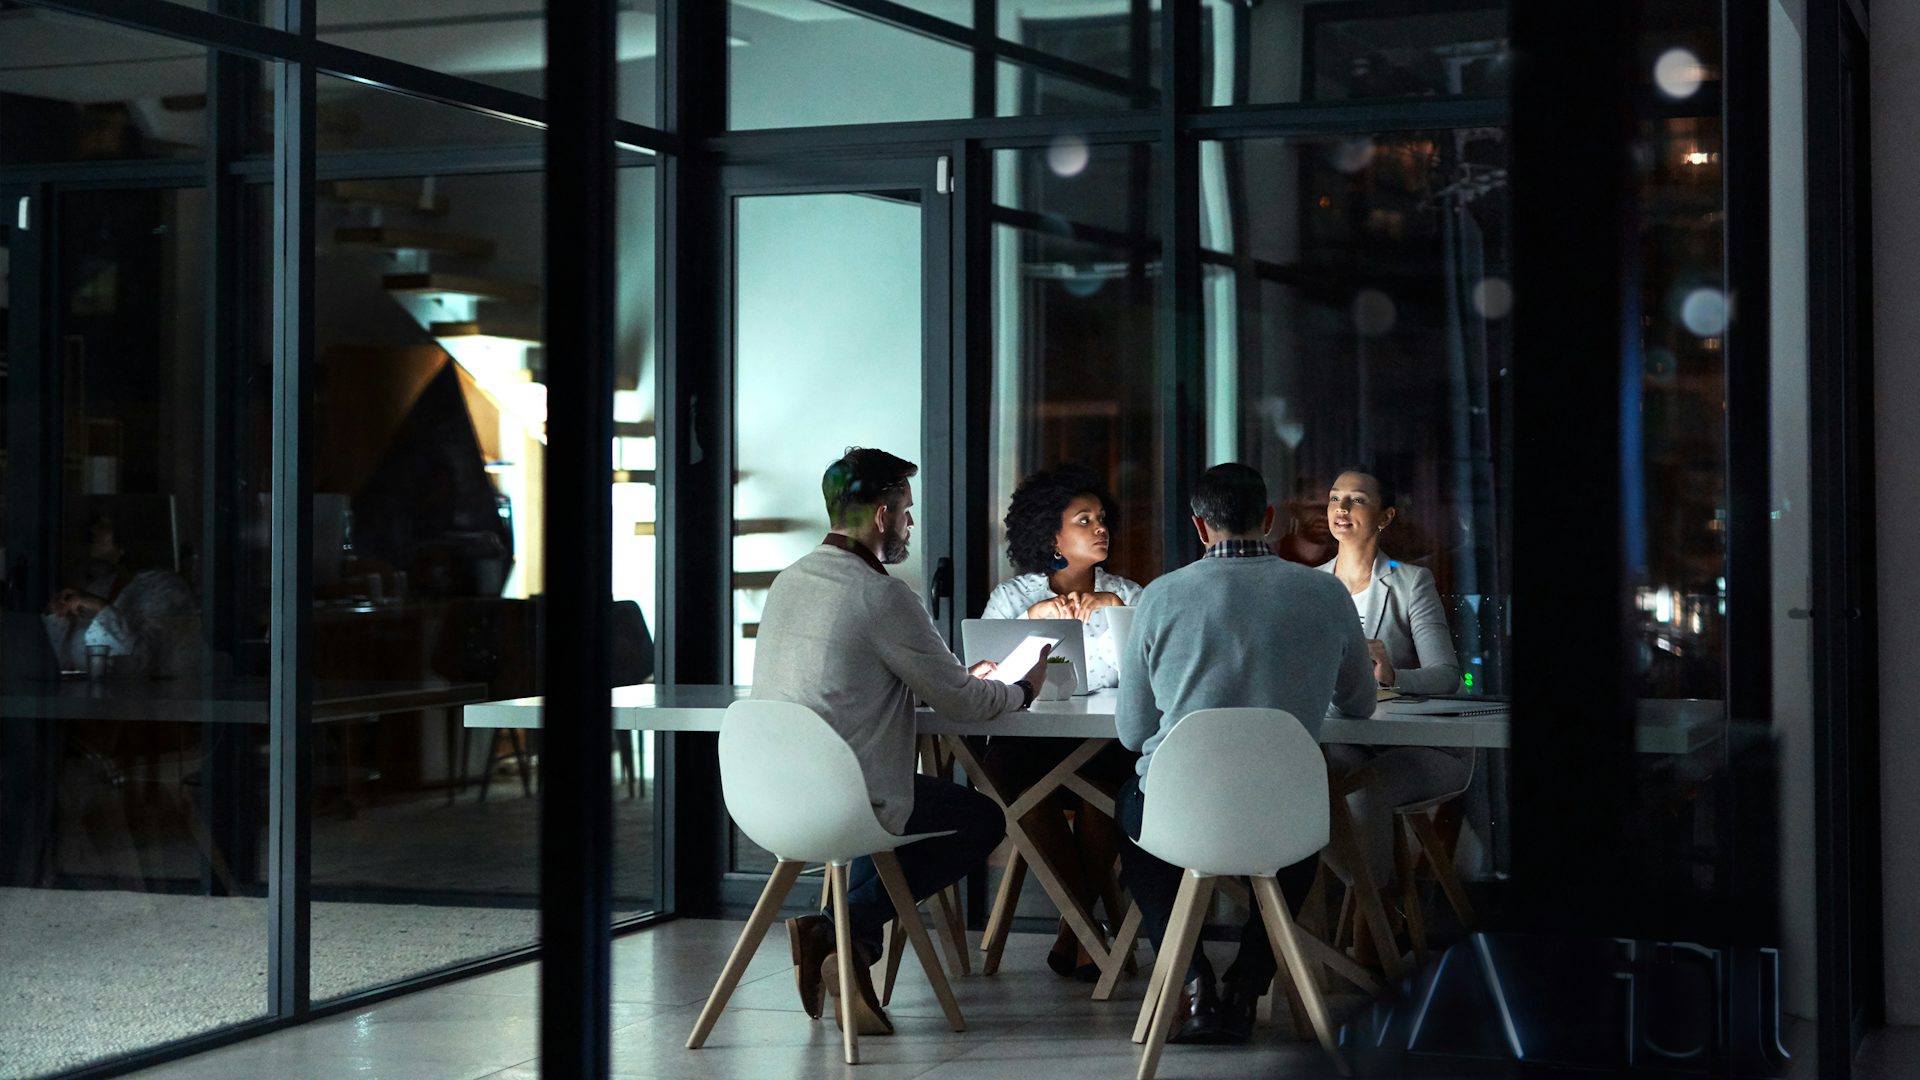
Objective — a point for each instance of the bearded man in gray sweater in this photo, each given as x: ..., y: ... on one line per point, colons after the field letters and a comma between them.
x: 854, y: 644
x: 1240, y: 628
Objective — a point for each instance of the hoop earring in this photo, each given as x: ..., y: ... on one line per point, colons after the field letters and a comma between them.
x: 1057, y: 563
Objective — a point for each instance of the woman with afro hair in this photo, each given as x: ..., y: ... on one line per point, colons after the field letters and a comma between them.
x: 1059, y: 531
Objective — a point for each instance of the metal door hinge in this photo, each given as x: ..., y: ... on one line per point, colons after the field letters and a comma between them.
x: 943, y: 175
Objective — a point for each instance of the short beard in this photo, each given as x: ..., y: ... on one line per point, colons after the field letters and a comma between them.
x: 893, y: 549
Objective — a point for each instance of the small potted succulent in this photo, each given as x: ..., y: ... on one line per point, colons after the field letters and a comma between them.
x: 1060, y: 680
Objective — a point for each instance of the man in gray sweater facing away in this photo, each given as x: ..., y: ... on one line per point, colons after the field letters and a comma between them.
x: 854, y: 644
x: 1239, y: 628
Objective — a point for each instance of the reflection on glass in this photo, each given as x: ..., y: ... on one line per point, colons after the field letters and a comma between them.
x: 490, y: 41
x: 797, y: 63
x: 73, y: 89
x: 1355, y: 299
x: 498, y: 42
x: 1791, y: 541
x: 1679, y: 543
x: 828, y: 351
x: 132, y: 716
x: 1332, y: 50
x: 1076, y: 357
x: 429, y: 427
x: 635, y: 544
x: 356, y: 117
x: 1098, y: 57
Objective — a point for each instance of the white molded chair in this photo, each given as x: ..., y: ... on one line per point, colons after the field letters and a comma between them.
x: 1232, y: 793
x: 794, y: 787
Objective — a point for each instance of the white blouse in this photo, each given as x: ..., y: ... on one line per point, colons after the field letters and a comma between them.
x: 1363, y: 603
x: 1012, y: 597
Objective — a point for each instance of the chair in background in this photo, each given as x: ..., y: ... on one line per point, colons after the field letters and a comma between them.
x: 632, y: 664
x: 1253, y: 798
x: 1424, y: 836
x: 795, y: 788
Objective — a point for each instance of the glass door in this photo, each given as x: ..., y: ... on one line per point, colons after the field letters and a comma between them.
x: 839, y: 338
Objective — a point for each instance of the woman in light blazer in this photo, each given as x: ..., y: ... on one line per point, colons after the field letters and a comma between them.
x: 1406, y: 629
x: 1399, y: 606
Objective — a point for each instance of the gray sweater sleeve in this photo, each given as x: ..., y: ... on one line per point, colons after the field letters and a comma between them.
x: 913, y: 650
x: 1136, y: 715
x: 1439, y: 670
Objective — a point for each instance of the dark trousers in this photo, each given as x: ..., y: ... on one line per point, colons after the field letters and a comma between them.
x: 928, y: 865
x: 1155, y: 884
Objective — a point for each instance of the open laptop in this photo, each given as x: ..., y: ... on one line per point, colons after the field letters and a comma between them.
x: 993, y: 639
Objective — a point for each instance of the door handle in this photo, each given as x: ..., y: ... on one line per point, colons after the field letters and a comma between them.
x: 942, y: 585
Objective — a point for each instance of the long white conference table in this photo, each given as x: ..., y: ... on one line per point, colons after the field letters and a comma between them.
x: 1667, y: 726
x: 1664, y: 727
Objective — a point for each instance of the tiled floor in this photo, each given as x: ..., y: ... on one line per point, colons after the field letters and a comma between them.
x: 1024, y: 1020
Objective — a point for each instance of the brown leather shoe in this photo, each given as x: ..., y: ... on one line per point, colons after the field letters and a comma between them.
x: 810, y: 938
x: 864, y: 1003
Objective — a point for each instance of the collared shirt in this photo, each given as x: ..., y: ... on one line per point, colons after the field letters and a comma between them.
x: 1238, y: 549
x: 848, y: 543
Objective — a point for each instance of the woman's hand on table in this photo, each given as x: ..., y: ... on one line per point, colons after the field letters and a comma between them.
x: 72, y: 603
x: 983, y: 670
x: 1059, y: 607
x: 1085, y: 604
x: 1383, y: 672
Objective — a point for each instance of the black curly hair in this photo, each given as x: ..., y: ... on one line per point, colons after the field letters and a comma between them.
x: 1033, y: 514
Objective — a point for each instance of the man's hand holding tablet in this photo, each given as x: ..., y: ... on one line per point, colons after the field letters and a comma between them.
x: 1027, y: 662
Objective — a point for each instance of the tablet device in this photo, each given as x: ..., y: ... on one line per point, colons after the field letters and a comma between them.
x: 993, y: 639
x: 1021, y: 659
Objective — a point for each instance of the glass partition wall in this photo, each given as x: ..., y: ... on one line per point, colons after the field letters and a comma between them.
x: 994, y: 237
x: 232, y: 794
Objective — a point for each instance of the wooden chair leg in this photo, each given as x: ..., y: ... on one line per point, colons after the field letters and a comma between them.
x: 843, y: 949
x: 1441, y: 858
x: 1366, y: 893
x: 1156, y: 981
x: 1123, y: 951
x: 1114, y: 899
x: 826, y: 887
x: 1183, y: 933
x: 1000, y: 921
x: 1164, y: 966
x: 955, y: 906
x: 1286, y: 947
x: 946, y: 923
x: 764, y: 912
x: 907, y: 919
x: 1296, y: 1005
x: 1406, y: 865
x: 521, y: 758
x: 896, y: 945
x: 1313, y: 916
